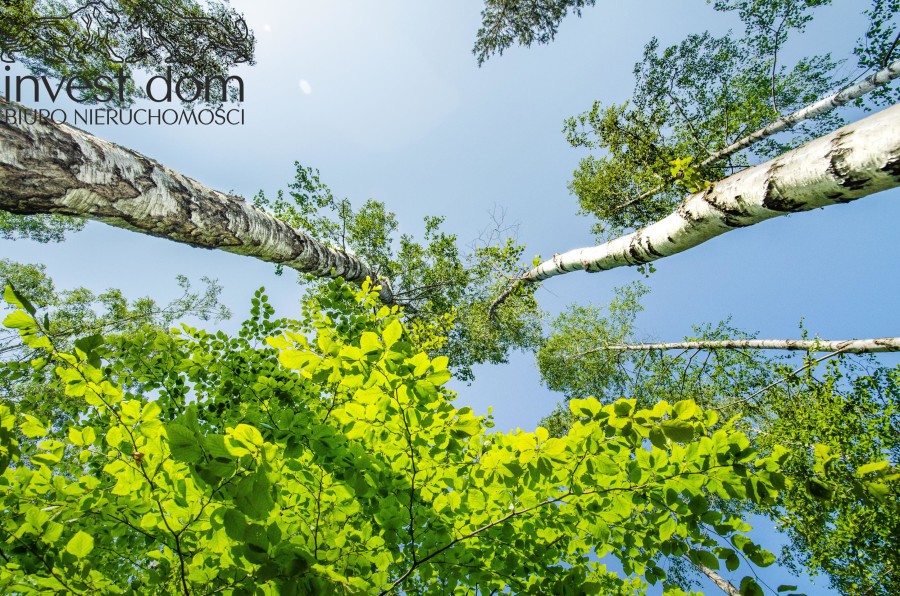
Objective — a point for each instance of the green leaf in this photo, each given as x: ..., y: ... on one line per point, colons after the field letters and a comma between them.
x: 658, y: 438
x: 678, y: 430
x: 749, y: 587
x: 705, y: 558
x: 761, y: 557
x: 585, y: 407
x: 879, y: 490
x: 624, y: 407
x: 19, y: 320
x: 13, y: 297
x: 253, y: 496
x: 872, y: 467
x: 245, y: 434
x: 369, y: 343
x: 392, y: 333
x: 732, y: 562
x: 32, y: 427
x: 183, y: 443
x: 235, y: 524
x: 438, y: 378
x: 80, y: 545
x: 685, y: 410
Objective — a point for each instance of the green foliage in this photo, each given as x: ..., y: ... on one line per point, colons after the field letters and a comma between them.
x: 842, y: 428
x: 843, y: 509
x: 39, y: 228
x: 690, y: 100
x: 64, y: 39
x: 569, y: 361
x: 81, y: 313
x: 695, y: 98
x: 445, y: 290
x: 325, y: 455
x: 505, y: 22
x: 880, y: 46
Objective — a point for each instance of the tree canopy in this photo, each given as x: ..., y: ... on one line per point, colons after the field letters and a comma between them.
x: 324, y: 453
x: 840, y: 427
x: 108, y: 38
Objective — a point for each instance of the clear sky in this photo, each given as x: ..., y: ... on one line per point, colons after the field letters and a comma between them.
x: 385, y: 98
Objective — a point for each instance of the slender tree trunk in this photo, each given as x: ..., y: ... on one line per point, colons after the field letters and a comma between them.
x: 725, y: 585
x: 54, y: 168
x: 848, y: 346
x: 823, y: 106
x: 854, y: 161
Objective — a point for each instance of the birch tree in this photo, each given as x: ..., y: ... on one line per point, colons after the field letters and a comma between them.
x: 836, y: 412
x: 846, y: 346
x: 853, y: 162
x: 688, y: 126
x: 446, y: 288
x: 347, y: 409
x: 114, y: 40
x: 96, y: 179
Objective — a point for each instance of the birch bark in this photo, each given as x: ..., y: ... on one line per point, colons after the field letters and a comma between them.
x: 47, y: 167
x: 847, y: 346
x: 823, y: 106
x: 720, y: 581
x: 854, y: 161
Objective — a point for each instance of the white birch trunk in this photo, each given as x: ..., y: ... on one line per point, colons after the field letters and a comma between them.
x: 848, y: 346
x: 855, y: 161
x: 723, y: 584
x: 55, y: 168
x: 823, y: 106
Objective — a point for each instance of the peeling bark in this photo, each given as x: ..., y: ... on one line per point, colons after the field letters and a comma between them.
x: 855, y: 161
x: 848, y: 346
x: 55, y: 168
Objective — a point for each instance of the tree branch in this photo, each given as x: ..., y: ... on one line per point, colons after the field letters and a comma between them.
x: 855, y: 161
x: 849, y: 346
x: 823, y: 106
x: 47, y: 167
x: 723, y: 584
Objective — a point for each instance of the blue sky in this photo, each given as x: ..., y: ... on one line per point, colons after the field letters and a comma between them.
x: 386, y: 100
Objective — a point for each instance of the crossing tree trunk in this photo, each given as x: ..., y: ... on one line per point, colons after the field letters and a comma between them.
x: 846, y: 346
x: 47, y: 167
x: 854, y: 161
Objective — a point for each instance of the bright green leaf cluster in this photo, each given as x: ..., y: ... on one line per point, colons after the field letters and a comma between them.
x: 325, y: 455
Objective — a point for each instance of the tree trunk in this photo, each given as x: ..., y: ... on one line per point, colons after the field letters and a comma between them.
x: 54, y: 168
x: 823, y: 106
x: 725, y: 585
x: 854, y: 161
x: 848, y: 346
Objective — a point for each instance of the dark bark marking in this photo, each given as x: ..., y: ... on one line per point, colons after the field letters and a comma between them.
x: 892, y: 168
x: 732, y: 216
x: 773, y: 198
x: 840, y: 170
